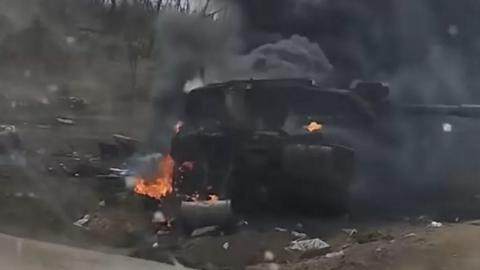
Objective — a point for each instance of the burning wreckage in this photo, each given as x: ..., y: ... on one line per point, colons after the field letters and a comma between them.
x: 261, y: 145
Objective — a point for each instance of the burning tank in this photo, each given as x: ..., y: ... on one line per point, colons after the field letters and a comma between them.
x: 280, y: 145
x: 260, y: 144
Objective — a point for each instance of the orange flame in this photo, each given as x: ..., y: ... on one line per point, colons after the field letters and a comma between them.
x: 160, y: 187
x: 313, y: 126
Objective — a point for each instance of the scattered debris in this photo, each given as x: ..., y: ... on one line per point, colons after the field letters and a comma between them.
x: 308, y: 245
x: 74, y: 103
x: 83, y: 222
x: 162, y: 232
x: 159, y: 217
x: 299, y: 236
x: 409, y: 235
x: 65, y: 121
x: 204, y: 230
x: 242, y: 223
x: 30, y: 195
x: 44, y: 126
x: 268, y: 256
x: 350, y: 232
x: 102, y: 203
x: 337, y: 254
x: 279, y: 229
x: 226, y: 245
x: 435, y: 224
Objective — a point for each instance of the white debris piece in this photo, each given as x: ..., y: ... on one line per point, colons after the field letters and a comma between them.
x: 226, y: 245
x: 330, y: 255
x: 242, y: 223
x: 308, y: 245
x: 159, y: 217
x: 350, y: 232
x: 65, y: 121
x: 447, y: 127
x: 435, y: 224
x: 268, y: 256
x: 299, y: 235
x: 280, y: 229
x: 162, y: 232
x: 410, y: 235
x: 203, y: 230
x: 82, y: 222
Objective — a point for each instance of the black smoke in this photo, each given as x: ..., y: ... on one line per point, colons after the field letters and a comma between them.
x: 375, y: 39
x: 428, y: 51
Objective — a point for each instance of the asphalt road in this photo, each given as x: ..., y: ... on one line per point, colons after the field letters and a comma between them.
x: 24, y: 254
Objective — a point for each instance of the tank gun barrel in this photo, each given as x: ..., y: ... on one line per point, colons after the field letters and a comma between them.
x: 462, y: 110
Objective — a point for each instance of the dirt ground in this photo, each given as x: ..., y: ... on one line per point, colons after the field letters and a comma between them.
x: 48, y: 184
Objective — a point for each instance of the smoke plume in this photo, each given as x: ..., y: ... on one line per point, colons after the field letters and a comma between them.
x: 194, y: 49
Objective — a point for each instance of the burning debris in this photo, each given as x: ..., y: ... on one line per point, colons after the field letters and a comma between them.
x: 162, y: 185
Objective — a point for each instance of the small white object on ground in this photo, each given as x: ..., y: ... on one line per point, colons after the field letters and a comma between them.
x: 226, y: 245
x: 299, y: 235
x: 435, y: 224
x: 268, y: 256
x: 350, y: 232
x: 159, y: 217
x: 82, y: 222
x: 410, y: 235
x: 330, y: 255
x: 308, y: 245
